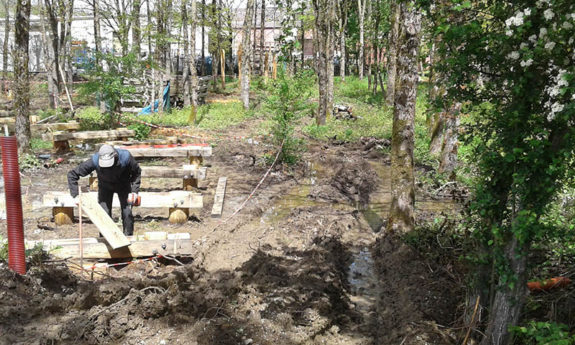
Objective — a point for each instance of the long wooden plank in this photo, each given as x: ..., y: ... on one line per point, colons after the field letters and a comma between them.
x: 219, y: 197
x: 115, y: 237
x: 186, y: 151
x: 179, y: 199
x: 134, y: 250
x: 167, y: 172
x: 6, y: 113
x: 113, y: 134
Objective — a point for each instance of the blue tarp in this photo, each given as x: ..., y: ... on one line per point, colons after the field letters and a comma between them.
x: 148, y: 110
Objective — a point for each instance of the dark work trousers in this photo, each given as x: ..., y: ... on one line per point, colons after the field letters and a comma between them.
x: 105, y: 197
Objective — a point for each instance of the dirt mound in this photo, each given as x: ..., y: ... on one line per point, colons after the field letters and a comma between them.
x: 415, y: 297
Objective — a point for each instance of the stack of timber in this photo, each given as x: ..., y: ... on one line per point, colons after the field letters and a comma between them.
x: 141, y: 98
x: 61, y: 139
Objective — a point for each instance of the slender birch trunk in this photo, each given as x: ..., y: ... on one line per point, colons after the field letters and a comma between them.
x: 246, y: 47
x: 361, y: 4
x: 262, y: 36
x: 393, y: 48
x: 21, y: 75
x: 5, y: 46
x: 401, y: 215
x: 136, y: 27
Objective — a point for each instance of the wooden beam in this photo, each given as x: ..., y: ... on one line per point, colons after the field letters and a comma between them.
x: 59, y: 126
x: 103, y: 222
x: 188, y: 171
x: 219, y: 197
x: 113, y: 134
x: 180, y: 199
x: 102, y: 250
x: 184, y: 151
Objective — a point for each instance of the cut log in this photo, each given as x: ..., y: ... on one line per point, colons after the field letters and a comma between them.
x: 219, y: 197
x: 136, y: 249
x: 63, y: 215
x: 179, y: 215
x: 180, y: 199
x: 183, y: 151
x: 115, y: 237
x: 113, y: 134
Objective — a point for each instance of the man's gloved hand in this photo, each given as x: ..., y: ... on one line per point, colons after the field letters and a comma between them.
x: 133, y: 199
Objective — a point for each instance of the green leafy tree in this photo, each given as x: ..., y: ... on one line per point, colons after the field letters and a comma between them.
x: 288, y: 102
x: 513, y: 64
x: 107, y: 79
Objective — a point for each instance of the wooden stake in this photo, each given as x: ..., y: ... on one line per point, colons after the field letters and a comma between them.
x: 275, y: 68
x: 223, y: 68
x: 471, y: 323
x: 80, y: 229
x: 240, y: 64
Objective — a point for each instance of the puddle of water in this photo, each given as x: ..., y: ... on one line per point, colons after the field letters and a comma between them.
x: 361, y: 275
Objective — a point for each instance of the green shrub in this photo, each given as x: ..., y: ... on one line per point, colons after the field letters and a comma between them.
x: 288, y: 101
x: 142, y: 131
x: 543, y: 333
x: 39, y: 144
x: 29, y: 161
x: 91, y: 118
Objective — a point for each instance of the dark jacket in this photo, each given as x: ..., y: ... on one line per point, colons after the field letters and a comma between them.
x: 125, y: 172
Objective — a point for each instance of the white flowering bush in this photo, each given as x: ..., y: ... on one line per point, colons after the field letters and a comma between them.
x: 512, y: 64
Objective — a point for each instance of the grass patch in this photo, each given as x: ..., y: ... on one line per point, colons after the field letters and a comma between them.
x: 210, y: 116
x: 38, y: 144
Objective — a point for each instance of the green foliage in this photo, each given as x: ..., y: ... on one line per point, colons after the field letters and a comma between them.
x: 39, y: 144
x: 543, y: 333
x: 288, y: 101
x: 91, y: 118
x: 3, y: 249
x: 59, y: 114
x: 142, y: 131
x: 106, y: 79
x: 28, y: 161
x: 511, y: 73
x: 36, y: 255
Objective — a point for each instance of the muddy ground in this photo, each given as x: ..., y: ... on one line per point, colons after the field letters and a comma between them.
x: 303, y: 263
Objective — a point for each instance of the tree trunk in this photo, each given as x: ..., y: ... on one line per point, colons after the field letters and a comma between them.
x: 5, y: 45
x: 246, y: 63
x: 302, y: 38
x: 54, y: 78
x: 401, y: 215
x: 21, y: 76
x: 136, y: 28
x: 393, y: 48
x: 187, y: 62
x: 361, y: 14
x: 448, y: 161
x: 68, y: 45
x: 262, y: 36
x: 193, y: 71
x: 203, y: 64
x: 508, y: 301
x: 342, y: 49
x: 325, y: 18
